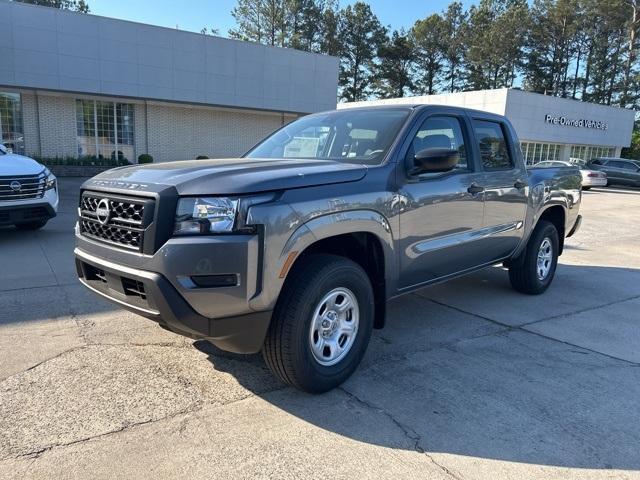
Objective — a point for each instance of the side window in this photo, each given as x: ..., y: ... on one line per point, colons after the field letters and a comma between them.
x: 614, y: 164
x: 493, y: 146
x: 629, y: 166
x: 439, y: 132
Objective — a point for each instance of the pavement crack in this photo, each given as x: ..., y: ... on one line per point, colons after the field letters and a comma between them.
x: 583, y: 310
x: 522, y: 328
x: 125, y: 427
x: 408, y: 432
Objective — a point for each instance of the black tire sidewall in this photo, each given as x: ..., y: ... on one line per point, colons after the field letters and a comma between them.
x: 339, y: 273
x: 544, y: 230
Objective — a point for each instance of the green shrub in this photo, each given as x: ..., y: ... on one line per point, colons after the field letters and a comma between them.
x: 202, y: 157
x: 84, y: 161
x: 145, y: 158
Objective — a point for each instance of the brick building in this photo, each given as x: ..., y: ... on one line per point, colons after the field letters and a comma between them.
x: 73, y: 84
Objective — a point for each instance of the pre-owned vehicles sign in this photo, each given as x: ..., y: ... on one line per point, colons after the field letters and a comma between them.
x: 575, y: 122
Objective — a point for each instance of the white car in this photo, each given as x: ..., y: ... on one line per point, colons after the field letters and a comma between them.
x: 590, y: 178
x: 28, y: 192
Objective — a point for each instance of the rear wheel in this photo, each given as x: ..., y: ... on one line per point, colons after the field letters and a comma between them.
x: 534, y: 275
x: 31, y: 225
x: 321, y: 325
x: 586, y: 188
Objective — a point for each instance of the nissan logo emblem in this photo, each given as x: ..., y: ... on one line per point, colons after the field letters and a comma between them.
x: 16, y: 186
x: 103, y: 212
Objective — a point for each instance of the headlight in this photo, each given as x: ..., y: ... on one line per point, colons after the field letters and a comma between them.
x: 50, y: 180
x: 206, y: 215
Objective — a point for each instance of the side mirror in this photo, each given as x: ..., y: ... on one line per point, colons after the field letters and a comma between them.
x: 3, y: 149
x: 433, y: 160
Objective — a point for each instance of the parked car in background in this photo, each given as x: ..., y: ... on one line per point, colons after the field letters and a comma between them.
x: 620, y: 171
x: 590, y: 178
x: 28, y: 192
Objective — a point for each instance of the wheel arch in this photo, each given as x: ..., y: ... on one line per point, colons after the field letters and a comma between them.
x: 557, y: 216
x: 363, y: 236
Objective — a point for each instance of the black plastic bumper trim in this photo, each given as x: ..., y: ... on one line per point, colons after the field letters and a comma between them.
x: 238, y: 334
x: 16, y: 213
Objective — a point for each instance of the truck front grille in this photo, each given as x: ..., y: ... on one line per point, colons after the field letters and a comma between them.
x: 22, y: 188
x: 117, y: 220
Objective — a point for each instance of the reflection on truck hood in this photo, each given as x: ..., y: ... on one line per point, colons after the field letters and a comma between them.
x: 236, y: 176
x: 12, y: 164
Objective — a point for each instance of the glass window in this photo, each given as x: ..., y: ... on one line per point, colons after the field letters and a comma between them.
x: 11, y: 122
x: 629, y: 166
x: 105, y: 129
x: 439, y: 132
x: 353, y: 136
x: 493, y: 146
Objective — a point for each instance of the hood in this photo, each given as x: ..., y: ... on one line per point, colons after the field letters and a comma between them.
x: 232, y: 176
x: 12, y: 165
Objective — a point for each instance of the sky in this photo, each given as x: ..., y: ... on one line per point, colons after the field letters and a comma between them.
x: 193, y: 15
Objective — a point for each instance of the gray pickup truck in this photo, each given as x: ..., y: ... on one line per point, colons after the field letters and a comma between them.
x: 294, y: 249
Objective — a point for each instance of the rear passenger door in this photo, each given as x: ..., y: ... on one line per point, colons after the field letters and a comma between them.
x: 505, y: 188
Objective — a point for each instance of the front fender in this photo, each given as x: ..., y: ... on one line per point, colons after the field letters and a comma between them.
x: 316, y: 229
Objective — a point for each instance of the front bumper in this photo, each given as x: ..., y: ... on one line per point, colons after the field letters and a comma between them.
x: 152, y: 295
x: 25, y: 213
x: 29, y: 210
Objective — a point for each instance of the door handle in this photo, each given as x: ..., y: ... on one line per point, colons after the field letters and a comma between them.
x: 475, y: 188
x: 520, y: 184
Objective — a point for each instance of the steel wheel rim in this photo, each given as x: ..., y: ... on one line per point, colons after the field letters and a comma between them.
x: 334, y: 326
x: 545, y: 259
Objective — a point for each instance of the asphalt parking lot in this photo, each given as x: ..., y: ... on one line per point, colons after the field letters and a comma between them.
x: 469, y: 379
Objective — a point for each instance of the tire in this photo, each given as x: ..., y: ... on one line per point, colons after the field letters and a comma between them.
x: 586, y: 188
x: 526, y: 278
x: 294, y: 332
x: 31, y: 225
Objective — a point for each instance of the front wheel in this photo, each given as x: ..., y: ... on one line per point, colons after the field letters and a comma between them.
x: 536, y: 271
x: 321, y: 325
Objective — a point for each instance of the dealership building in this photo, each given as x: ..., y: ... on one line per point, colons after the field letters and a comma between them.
x: 73, y: 84
x: 549, y: 128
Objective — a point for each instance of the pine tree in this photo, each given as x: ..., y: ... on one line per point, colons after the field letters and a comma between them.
x: 360, y: 34
x: 495, y: 40
x: 427, y: 36
x: 394, y: 73
x: 454, y: 31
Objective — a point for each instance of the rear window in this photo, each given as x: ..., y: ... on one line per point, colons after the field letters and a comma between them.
x: 493, y: 145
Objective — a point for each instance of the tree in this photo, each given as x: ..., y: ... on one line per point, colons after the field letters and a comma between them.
x: 495, y: 39
x: 75, y: 5
x: 360, y: 34
x: 395, y: 71
x: 633, y: 151
x: 554, y: 27
x: 607, y: 41
x: 249, y: 21
x: 454, y: 31
x: 330, y: 41
x: 427, y: 36
x: 304, y: 22
x: 210, y: 31
x: 634, y: 30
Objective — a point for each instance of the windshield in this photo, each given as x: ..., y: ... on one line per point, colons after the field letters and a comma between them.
x: 352, y: 136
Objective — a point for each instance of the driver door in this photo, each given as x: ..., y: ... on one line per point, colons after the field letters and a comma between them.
x: 441, y: 213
